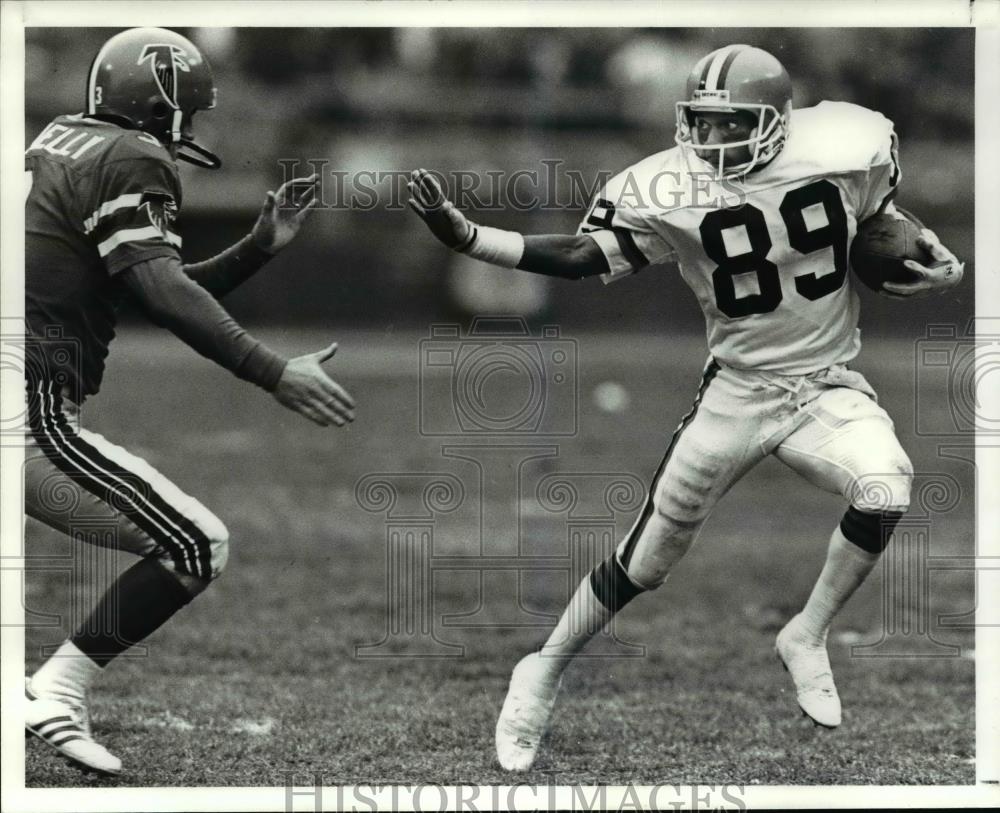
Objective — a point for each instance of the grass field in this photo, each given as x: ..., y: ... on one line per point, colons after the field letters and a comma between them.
x: 260, y: 676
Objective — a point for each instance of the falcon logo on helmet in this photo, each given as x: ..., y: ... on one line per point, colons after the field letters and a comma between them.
x: 154, y: 80
x: 733, y: 79
x: 165, y: 61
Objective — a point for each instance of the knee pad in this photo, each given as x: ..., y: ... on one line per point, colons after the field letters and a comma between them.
x: 661, y: 543
x: 887, y: 490
x: 683, y: 501
x: 869, y: 530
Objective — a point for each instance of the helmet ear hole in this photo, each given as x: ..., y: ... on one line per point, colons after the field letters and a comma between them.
x: 160, y: 110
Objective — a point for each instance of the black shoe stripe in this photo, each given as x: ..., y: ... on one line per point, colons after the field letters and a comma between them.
x: 64, y: 740
x: 52, y: 732
x: 63, y: 719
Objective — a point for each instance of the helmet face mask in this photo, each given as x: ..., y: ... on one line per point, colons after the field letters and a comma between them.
x: 737, y: 78
x: 154, y: 80
x: 764, y: 143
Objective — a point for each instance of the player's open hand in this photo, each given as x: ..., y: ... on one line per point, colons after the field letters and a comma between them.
x: 944, y: 272
x: 448, y: 224
x: 306, y: 389
x: 284, y: 212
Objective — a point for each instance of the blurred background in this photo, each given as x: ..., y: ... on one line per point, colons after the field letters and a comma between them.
x: 506, y: 100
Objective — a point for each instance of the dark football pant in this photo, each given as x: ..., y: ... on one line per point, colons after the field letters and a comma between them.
x: 74, y: 479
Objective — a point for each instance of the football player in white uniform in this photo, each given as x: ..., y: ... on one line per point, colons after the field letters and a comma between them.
x: 757, y: 205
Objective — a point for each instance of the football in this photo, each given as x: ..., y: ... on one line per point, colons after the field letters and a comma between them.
x: 881, y: 245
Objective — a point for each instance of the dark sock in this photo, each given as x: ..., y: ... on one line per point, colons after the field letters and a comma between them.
x: 138, y: 603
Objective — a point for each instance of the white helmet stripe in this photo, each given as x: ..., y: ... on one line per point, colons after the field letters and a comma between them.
x: 712, y: 81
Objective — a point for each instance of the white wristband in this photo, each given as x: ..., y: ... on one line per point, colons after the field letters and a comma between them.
x: 496, y: 246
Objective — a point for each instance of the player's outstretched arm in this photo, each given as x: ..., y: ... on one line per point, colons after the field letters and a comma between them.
x: 555, y: 255
x: 172, y: 300
x: 943, y: 273
x: 279, y: 221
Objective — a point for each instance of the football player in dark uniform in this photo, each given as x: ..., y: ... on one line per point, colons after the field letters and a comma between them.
x: 103, y: 192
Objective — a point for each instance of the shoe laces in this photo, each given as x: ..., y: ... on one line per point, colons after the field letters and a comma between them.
x: 81, y: 714
x: 529, y: 712
x: 822, y: 679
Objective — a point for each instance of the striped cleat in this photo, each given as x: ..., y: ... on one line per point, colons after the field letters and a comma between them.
x: 66, y: 728
x: 524, y: 718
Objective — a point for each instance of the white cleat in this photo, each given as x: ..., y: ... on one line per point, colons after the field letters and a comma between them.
x: 809, y: 667
x: 66, y: 728
x: 524, y: 717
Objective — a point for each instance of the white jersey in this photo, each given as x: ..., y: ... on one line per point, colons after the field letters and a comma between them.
x: 767, y: 256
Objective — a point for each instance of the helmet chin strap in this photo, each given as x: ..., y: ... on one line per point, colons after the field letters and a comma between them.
x: 176, y: 122
x: 198, y: 155
x: 188, y: 150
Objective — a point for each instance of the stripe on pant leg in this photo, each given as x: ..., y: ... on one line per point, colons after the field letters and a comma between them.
x: 105, y: 485
x: 209, y: 524
x: 173, y: 504
x: 183, y: 541
x: 647, y: 509
x: 180, y: 530
x: 45, y: 435
x: 164, y: 523
x: 54, y: 443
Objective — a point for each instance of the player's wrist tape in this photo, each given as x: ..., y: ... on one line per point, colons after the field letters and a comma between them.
x: 496, y: 246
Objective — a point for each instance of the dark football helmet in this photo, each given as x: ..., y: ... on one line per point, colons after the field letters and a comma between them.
x: 739, y: 78
x: 154, y: 80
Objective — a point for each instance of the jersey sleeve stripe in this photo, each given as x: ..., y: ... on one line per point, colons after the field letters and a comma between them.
x: 134, y: 236
x: 629, y: 249
x: 109, y: 207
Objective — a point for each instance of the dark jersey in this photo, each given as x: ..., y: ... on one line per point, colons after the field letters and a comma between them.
x: 100, y: 199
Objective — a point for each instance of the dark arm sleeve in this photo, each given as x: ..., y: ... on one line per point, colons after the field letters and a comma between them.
x: 562, y: 255
x: 230, y: 269
x: 172, y: 300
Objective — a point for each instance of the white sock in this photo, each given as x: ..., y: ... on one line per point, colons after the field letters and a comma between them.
x: 582, y: 619
x: 846, y: 567
x: 66, y: 675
